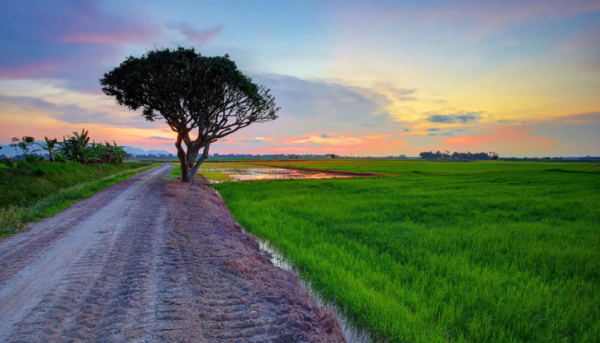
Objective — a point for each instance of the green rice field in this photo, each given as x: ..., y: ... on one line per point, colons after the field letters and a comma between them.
x: 459, y: 252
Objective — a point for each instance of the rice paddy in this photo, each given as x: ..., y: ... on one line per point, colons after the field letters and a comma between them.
x: 461, y: 252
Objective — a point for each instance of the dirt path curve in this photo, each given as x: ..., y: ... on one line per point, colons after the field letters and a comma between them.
x: 129, y: 265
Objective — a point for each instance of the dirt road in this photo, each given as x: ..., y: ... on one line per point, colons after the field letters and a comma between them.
x: 130, y: 264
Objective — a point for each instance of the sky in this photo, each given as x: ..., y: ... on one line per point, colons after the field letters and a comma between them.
x: 360, y: 78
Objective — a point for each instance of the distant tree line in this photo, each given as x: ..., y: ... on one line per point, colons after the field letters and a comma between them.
x: 458, y: 156
x: 73, y: 148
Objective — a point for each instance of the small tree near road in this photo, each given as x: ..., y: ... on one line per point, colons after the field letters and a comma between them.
x: 201, y: 98
x: 24, y: 147
x: 49, y: 146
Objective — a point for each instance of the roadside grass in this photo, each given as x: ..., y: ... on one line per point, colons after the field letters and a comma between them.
x: 507, y: 256
x: 26, y: 183
x: 431, y: 168
x: 14, y: 218
x: 215, y: 175
x: 175, y: 171
x: 209, y: 174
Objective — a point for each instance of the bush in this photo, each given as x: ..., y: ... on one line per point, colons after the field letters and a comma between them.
x: 7, y: 162
x: 31, y: 158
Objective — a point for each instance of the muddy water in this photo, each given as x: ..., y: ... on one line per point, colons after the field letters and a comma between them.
x: 351, y: 333
x: 255, y: 174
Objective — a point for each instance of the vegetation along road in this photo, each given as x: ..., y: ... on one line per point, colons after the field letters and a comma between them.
x: 131, y: 263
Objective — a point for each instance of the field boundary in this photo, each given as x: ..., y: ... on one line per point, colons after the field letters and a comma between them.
x: 14, y: 219
x: 349, y: 173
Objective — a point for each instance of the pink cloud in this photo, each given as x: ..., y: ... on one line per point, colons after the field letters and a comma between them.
x: 342, y: 143
x: 34, y: 70
x: 513, y: 135
x: 110, y: 38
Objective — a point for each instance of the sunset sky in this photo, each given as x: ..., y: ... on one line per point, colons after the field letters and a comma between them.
x: 352, y: 77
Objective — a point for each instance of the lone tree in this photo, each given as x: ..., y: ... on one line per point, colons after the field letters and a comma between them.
x: 201, y: 98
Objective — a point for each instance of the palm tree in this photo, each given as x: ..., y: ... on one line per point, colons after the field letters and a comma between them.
x: 48, y: 146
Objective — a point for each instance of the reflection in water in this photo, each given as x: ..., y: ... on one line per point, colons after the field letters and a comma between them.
x: 251, y: 174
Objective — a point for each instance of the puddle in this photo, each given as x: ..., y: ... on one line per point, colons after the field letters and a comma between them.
x: 351, y: 333
x: 256, y: 174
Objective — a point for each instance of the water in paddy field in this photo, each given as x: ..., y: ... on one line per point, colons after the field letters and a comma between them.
x: 255, y: 174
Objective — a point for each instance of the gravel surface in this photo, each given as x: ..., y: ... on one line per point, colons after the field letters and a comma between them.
x: 132, y: 264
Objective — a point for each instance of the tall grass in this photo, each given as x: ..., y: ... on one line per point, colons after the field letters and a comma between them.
x: 500, y: 257
x: 24, y: 184
x: 14, y: 218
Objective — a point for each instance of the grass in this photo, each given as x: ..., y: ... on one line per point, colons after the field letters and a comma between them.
x: 211, y: 174
x: 35, y: 203
x: 461, y: 252
x: 25, y: 184
x: 215, y: 175
x: 432, y: 168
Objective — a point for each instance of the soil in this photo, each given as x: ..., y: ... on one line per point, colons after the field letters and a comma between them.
x: 150, y: 261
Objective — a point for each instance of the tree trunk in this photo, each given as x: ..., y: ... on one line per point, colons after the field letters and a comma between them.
x: 187, y: 159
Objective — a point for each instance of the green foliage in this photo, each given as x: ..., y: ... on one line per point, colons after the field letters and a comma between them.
x: 49, y: 145
x: 33, y: 157
x: 23, y: 184
x: 206, y: 96
x: 7, y: 162
x: 465, y: 156
x: 14, y: 218
x: 73, y: 148
x: 177, y: 84
x: 435, y: 168
x: 79, y: 149
x: 504, y: 253
x: 24, y: 147
x: 209, y: 174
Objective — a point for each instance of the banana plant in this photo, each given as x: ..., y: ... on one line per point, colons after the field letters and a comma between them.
x: 49, y: 146
x: 79, y: 149
x: 75, y: 146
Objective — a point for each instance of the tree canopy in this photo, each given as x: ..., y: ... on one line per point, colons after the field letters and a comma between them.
x: 460, y: 156
x: 201, y: 98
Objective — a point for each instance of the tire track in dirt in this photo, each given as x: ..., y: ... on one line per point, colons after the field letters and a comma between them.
x: 239, y: 295
x: 133, y: 263
x: 58, y: 279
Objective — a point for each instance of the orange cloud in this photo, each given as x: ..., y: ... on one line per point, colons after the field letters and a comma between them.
x: 506, y: 135
x: 343, y: 143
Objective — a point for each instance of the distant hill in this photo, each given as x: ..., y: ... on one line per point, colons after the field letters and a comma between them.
x: 7, y: 151
x: 139, y: 151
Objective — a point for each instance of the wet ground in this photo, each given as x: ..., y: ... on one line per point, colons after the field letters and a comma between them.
x: 256, y: 174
